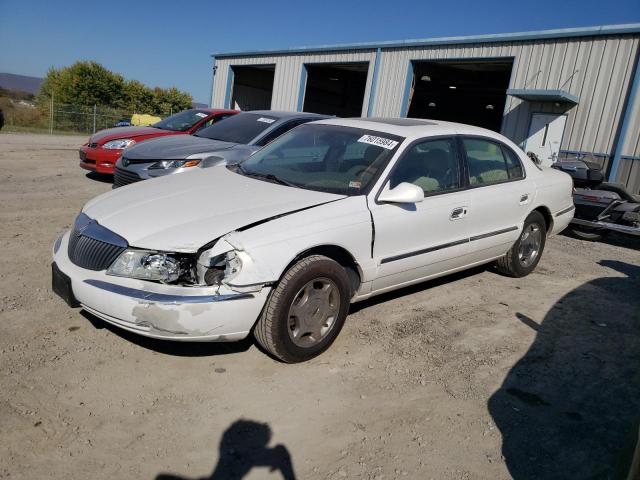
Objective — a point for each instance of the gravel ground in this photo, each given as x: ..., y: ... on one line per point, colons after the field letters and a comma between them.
x: 475, y: 376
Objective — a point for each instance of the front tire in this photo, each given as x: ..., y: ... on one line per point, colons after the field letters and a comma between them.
x: 523, y: 257
x: 305, y: 311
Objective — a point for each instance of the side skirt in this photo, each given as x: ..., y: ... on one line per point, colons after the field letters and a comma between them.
x: 359, y: 298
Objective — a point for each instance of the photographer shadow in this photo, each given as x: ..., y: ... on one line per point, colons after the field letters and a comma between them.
x: 570, y: 407
x: 244, y: 446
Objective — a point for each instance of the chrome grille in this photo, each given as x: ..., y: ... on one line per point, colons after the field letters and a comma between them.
x: 124, y: 177
x: 92, y: 246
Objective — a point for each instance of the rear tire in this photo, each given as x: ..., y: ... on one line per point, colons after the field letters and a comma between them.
x: 523, y: 257
x: 306, y: 310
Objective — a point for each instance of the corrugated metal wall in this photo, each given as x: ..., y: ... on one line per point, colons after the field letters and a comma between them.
x: 629, y: 170
x: 596, y: 69
x: 286, y: 82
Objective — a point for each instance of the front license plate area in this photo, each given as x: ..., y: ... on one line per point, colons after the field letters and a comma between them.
x: 61, y: 285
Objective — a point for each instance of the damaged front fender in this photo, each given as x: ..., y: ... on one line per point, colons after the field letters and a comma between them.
x: 253, y: 273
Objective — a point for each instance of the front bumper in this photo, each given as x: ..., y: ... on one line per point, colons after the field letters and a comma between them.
x: 99, y: 160
x: 162, y: 311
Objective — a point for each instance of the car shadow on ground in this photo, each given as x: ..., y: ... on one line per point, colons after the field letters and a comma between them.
x: 169, y: 347
x: 243, y: 447
x: 99, y: 177
x: 419, y: 287
x: 570, y: 407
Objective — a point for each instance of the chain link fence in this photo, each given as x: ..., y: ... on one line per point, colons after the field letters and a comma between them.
x: 58, y: 118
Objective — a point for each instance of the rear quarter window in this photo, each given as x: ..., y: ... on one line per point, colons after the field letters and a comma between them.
x: 514, y: 165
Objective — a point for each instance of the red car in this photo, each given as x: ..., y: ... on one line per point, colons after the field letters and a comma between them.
x: 104, y: 148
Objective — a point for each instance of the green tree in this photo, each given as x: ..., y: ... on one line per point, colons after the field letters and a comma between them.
x: 136, y: 97
x: 88, y: 83
x: 83, y: 83
x: 170, y: 100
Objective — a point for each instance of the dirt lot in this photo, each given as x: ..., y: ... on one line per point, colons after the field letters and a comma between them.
x: 469, y: 377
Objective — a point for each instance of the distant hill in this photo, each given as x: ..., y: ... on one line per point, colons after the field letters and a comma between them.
x: 22, y: 83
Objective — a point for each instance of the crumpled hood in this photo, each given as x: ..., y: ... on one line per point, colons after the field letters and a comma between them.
x: 184, y: 212
x: 104, y: 136
x: 174, y: 147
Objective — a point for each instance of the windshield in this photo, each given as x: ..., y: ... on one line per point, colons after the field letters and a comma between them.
x: 241, y: 128
x: 328, y: 158
x: 181, y: 122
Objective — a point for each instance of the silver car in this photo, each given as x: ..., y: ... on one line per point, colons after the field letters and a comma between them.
x: 228, y: 141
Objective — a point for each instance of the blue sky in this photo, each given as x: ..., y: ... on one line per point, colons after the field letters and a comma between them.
x: 168, y: 43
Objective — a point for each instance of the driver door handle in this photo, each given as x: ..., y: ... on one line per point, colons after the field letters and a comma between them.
x: 458, y: 213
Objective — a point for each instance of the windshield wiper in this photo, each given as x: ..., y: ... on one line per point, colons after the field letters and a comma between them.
x: 240, y: 168
x: 271, y: 176
x: 266, y: 176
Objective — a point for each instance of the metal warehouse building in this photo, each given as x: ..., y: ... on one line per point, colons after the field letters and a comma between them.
x: 556, y: 92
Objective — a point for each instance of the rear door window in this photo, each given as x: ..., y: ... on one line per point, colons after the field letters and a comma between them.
x: 488, y: 163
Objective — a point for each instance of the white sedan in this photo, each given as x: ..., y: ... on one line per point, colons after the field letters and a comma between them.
x: 330, y: 213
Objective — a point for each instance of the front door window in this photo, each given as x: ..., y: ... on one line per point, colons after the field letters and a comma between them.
x: 431, y: 165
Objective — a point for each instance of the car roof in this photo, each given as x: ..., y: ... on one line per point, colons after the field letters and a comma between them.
x: 215, y: 110
x: 282, y: 115
x: 411, y: 128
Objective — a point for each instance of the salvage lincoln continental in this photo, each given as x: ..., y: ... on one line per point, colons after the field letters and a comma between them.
x: 330, y: 213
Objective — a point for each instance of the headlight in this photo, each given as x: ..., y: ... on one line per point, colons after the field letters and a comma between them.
x: 223, y: 267
x: 119, y: 144
x: 167, y: 164
x: 147, y: 265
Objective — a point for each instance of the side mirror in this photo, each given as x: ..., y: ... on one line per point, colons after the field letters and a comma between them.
x: 402, y: 193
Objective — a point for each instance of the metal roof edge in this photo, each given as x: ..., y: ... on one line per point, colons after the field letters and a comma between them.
x: 543, y: 94
x: 486, y: 38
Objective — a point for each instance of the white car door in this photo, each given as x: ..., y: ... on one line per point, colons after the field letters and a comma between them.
x: 417, y: 240
x: 500, y: 194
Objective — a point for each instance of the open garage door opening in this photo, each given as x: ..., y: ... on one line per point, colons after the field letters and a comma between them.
x: 252, y: 87
x: 472, y: 92
x: 336, y: 88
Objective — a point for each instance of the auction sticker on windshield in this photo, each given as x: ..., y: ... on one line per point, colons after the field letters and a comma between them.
x: 378, y: 141
x: 266, y: 120
x: 201, y: 115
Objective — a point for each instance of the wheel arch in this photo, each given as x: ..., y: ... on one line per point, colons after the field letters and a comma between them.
x: 548, y: 218
x: 337, y: 253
